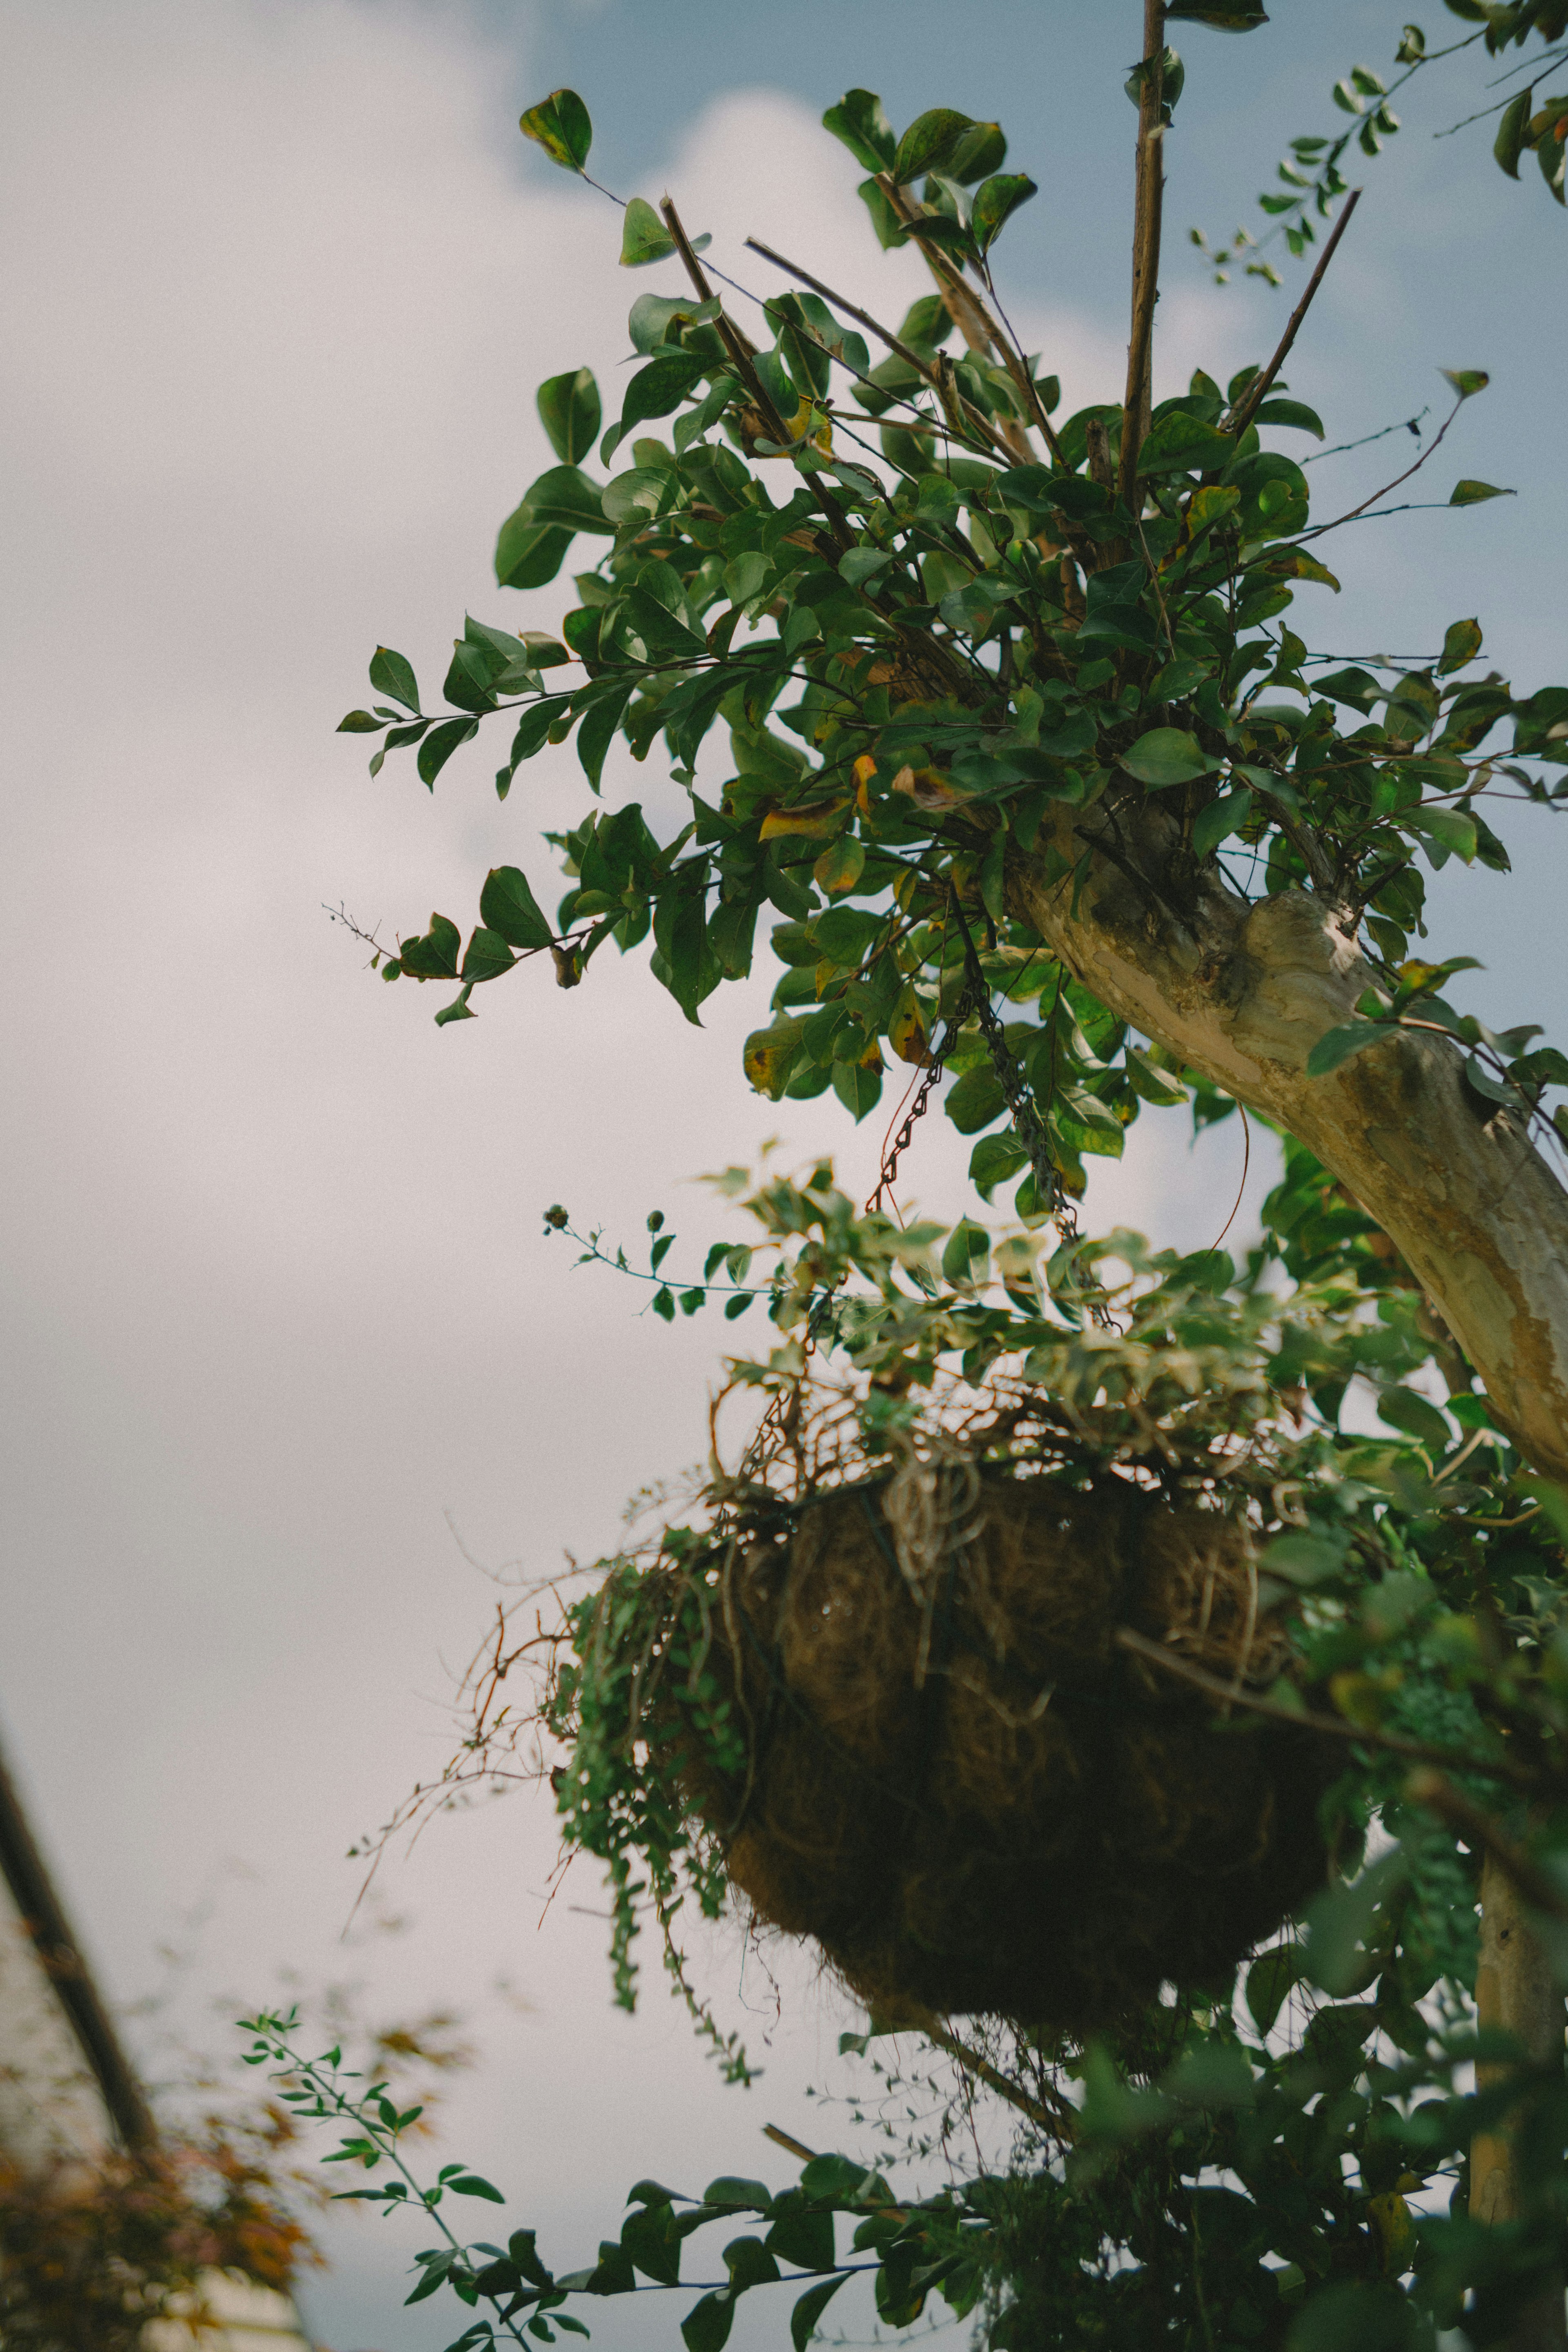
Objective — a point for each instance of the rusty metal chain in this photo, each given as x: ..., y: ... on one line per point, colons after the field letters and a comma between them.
x: 974, y: 998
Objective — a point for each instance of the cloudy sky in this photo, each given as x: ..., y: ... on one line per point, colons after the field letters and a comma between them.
x: 287, y: 1355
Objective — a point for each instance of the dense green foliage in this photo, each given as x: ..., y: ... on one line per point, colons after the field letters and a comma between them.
x: 975, y: 646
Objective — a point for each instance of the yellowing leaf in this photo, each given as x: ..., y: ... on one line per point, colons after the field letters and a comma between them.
x: 821, y: 818
x: 840, y: 865
x: 928, y: 788
x: 770, y: 1055
x: 907, y: 1031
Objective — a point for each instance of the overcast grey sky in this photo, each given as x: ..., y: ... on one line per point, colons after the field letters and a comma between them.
x: 279, y: 280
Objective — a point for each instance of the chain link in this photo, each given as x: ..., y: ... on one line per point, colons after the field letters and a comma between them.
x: 974, y: 998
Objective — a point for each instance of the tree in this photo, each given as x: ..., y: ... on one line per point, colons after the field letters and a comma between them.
x: 1030, y: 764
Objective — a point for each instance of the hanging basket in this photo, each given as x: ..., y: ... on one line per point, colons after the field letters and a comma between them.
x: 897, y: 1714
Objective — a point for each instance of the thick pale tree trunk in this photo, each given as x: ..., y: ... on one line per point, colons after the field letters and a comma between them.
x: 1514, y: 1991
x: 1242, y: 993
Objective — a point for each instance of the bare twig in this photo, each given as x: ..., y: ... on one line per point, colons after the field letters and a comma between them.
x: 744, y: 354
x: 968, y: 313
x: 1247, y: 407
x: 1150, y: 183
x: 1334, y: 1726
x: 973, y: 421
x: 1431, y: 450
x: 1060, y: 2122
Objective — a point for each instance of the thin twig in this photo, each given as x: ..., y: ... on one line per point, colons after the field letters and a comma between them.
x: 743, y: 355
x: 1056, y: 2122
x: 972, y: 416
x: 1420, y: 1751
x: 1150, y: 183
x: 1430, y: 451
x: 972, y: 320
x: 1247, y: 407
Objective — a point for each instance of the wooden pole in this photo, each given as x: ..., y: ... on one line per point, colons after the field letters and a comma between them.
x: 1514, y: 1992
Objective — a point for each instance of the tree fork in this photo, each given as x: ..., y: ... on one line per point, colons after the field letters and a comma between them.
x: 1242, y: 993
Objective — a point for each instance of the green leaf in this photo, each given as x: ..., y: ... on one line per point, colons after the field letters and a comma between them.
x: 361, y: 722
x: 927, y: 141
x: 569, y: 410
x: 750, y: 2264
x: 1178, y: 442
x: 706, y: 2326
x: 860, y: 122
x: 1406, y: 1410
x: 860, y: 565
x: 1077, y: 733
x: 1219, y: 821
x: 1467, y: 381
x: 979, y: 155
x: 644, y: 237
x: 1224, y: 16
x: 1337, y: 1045
x: 1154, y: 1085
x: 1461, y: 644
x: 1508, y: 144
x: 1451, y: 829
x: 434, y: 957
x: 967, y: 1250
x: 858, y: 1085
x: 439, y: 745
x: 738, y: 2195
x: 833, y: 2176
x: 1269, y: 1980
x: 645, y: 491
x: 529, y: 555
x: 889, y: 227
x: 568, y: 499
x: 654, y: 390
x: 509, y: 907
x: 1468, y: 493
x: 391, y: 675
x: 650, y: 2238
x: 1291, y: 412
x: 994, y: 1160
x: 487, y: 955
x: 1166, y: 755
x: 469, y: 2184
x: 559, y: 124
x: 996, y: 202
x: 975, y: 1100
x: 802, y: 2237
x: 653, y: 315
x: 802, y: 2319
x: 651, y: 633
x: 596, y: 731
x: 1303, y: 1559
